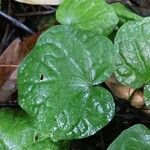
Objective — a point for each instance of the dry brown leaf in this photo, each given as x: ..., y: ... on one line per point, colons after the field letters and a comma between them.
x: 9, y: 87
x: 13, y: 55
x: 119, y: 90
x: 40, y: 2
x: 136, y: 98
x: 9, y: 62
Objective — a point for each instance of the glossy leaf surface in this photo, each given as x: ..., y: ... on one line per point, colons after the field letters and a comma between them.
x: 124, y: 14
x: 133, y: 42
x: 133, y: 29
x: 61, y: 89
x: 133, y: 64
x: 147, y: 95
x: 135, y: 138
x: 95, y: 15
x: 17, y: 133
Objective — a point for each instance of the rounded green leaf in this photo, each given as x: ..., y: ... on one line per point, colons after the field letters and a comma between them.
x: 17, y: 133
x: 94, y: 15
x: 133, y: 67
x: 136, y: 137
x: 133, y: 43
x: 133, y: 30
x: 124, y: 13
x: 58, y: 83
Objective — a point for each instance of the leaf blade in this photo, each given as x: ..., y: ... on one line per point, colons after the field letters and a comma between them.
x: 17, y: 132
x: 133, y: 43
x: 70, y: 68
x: 135, y: 138
x: 95, y: 15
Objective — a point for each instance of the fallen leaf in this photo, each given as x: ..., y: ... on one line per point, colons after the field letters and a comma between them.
x: 13, y: 55
x: 9, y: 62
x: 40, y: 2
x: 119, y: 90
x: 9, y: 87
x: 135, y: 97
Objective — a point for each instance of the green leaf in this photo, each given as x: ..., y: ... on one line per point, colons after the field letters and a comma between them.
x: 17, y: 133
x: 133, y: 29
x: 133, y: 62
x: 124, y: 13
x: 133, y: 42
x: 147, y: 95
x: 61, y: 89
x: 133, y: 65
x: 136, y: 137
x: 95, y: 15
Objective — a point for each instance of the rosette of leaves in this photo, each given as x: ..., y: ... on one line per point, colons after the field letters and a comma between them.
x: 17, y: 132
x: 95, y: 15
x: 133, y: 64
x: 136, y: 137
x: 59, y: 82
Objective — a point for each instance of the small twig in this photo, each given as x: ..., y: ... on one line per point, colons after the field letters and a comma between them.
x: 35, y: 13
x: 9, y: 105
x: 16, y: 22
x: 49, y: 7
x: 6, y: 29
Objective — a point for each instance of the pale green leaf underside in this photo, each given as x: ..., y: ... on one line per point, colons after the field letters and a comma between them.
x: 95, y: 15
x: 17, y: 133
x: 58, y: 82
x: 133, y: 63
x: 136, y: 137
